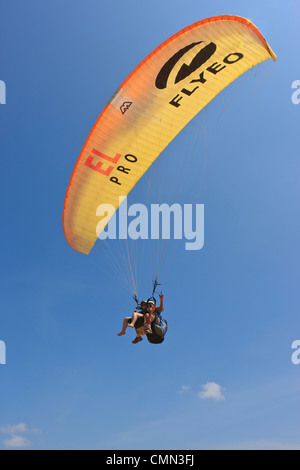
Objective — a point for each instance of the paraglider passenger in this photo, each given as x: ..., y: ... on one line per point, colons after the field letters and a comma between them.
x: 132, y: 320
x: 147, y: 320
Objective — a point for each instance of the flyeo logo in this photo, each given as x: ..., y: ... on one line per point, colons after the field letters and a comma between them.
x: 198, y: 80
x: 201, y: 57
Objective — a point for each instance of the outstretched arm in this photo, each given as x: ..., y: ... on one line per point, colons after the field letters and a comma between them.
x: 161, y: 307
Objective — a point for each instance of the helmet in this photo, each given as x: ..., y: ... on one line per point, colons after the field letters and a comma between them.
x: 151, y: 301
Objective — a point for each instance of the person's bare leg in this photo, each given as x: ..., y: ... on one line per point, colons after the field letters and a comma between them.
x: 135, y: 316
x: 125, y: 325
x: 149, y: 317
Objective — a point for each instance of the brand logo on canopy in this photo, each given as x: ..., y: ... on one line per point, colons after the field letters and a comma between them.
x: 185, y: 71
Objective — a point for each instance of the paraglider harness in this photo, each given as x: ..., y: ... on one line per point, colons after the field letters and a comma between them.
x: 151, y: 299
x: 158, y: 335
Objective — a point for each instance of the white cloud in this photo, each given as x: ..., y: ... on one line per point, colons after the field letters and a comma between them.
x: 211, y: 390
x: 184, y: 389
x: 14, y: 428
x: 17, y: 441
x: 15, y: 432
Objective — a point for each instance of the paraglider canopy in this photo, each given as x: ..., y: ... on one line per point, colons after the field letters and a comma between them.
x: 149, y: 109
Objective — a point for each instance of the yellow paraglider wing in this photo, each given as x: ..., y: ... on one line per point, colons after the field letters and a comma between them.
x: 150, y: 108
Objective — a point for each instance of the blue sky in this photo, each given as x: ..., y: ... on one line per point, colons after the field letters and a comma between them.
x: 224, y: 376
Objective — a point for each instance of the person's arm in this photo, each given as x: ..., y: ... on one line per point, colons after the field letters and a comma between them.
x: 161, y: 307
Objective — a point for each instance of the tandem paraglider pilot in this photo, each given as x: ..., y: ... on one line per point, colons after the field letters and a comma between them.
x: 147, y: 320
